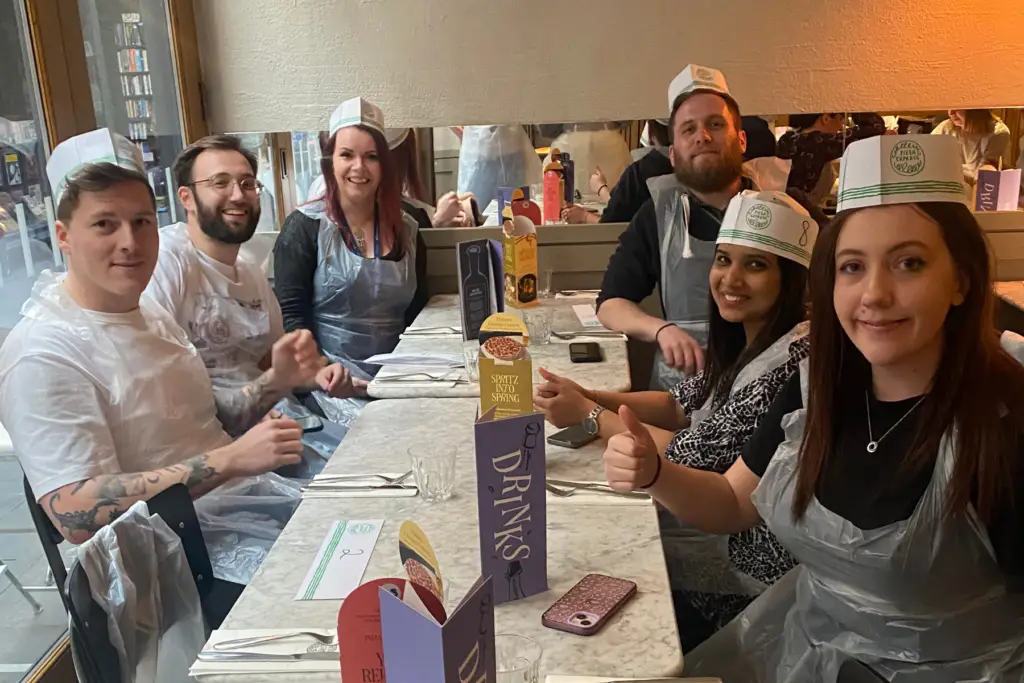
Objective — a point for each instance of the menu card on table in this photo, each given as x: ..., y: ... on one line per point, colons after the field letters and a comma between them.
x: 505, y: 195
x: 480, y: 268
x: 510, y: 472
x: 506, y: 370
x: 997, y: 190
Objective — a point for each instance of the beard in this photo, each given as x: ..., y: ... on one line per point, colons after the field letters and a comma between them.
x: 714, y: 177
x: 212, y: 223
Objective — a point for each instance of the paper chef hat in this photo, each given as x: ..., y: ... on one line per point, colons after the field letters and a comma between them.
x: 694, y: 78
x: 356, y: 112
x: 770, y: 221
x: 396, y: 136
x: 901, y: 169
x: 98, y: 147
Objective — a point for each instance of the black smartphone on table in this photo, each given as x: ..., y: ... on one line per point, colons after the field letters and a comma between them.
x: 310, y: 423
x: 573, y: 437
x: 585, y: 352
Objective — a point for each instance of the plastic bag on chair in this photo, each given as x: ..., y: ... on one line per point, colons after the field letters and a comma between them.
x: 242, y: 519
x: 139, y: 575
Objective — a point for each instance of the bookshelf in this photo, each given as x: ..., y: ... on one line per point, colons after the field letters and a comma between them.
x: 136, y: 79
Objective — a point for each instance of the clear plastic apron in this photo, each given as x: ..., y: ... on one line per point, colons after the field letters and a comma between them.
x: 920, y: 600
x: 685, y: 268
x: 359, y: 307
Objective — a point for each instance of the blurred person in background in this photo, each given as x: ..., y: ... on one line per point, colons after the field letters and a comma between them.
x: 983, y: 138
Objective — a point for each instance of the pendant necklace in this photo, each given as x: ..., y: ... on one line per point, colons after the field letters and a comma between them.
x: 872, y: 443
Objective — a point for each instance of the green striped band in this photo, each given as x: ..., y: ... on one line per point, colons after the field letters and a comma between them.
x: 325, y: 561
x: 921, y: 186
x: 766, y: 240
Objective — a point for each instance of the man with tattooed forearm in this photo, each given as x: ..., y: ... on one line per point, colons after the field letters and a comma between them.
x: 106, y: 401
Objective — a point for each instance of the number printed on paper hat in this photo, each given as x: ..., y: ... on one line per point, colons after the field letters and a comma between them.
x: 96, y: 147
x: 356, y: 112
x: 901, y: 169
x: 770, y: 221
x: 696, y: 77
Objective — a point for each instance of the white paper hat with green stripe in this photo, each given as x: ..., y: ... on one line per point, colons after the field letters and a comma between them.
x: 772, y: 222
x: 901, y: 169
x: 356, y: 112
x: 96, y: 147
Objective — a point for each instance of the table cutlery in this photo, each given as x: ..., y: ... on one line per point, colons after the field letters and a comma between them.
x: 571, y: 491
x: 319, y: 655
x: 322, y: 636
x: 593, y: 333
x: 346, y: 477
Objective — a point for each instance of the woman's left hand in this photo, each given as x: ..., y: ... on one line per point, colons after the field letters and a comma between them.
x: 574, y: 213
x: 597, y: 180
x: 563, y: 402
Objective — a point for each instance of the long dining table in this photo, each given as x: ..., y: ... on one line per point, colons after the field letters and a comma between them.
x: 584, y: 535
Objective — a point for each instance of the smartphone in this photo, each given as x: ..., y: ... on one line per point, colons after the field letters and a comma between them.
x: 573, y: 437
x: 585, y: 352
x: 589, y: 604
x: 310, y: 423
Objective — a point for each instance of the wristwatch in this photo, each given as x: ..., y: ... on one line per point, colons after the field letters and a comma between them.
x: 590, y: 422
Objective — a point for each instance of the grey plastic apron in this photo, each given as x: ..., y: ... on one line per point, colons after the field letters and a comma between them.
x: 359, y: 307
x: 685, y: 267
x: 920, y: 600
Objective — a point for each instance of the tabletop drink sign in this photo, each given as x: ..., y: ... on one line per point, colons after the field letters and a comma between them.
x: 519, y: 240
x: 420, y: 642
x: 997, y: 190
x: 505, y: 196
x: 506, y: 370
x: 480, y: 267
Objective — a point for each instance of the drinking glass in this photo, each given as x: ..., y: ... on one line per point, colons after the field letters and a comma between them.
x: 433, y: 465
x: 517, y: 659
x: 538, y: 321
x: 471, y: 358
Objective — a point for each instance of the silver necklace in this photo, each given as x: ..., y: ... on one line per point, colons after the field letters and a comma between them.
x: 872, y: 443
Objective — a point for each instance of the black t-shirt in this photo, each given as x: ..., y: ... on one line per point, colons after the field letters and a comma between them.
x: 852, y: 486
x: 630, y: 193
x: 295, y: 262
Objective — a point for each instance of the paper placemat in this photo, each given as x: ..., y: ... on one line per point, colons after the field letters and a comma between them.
x: 338, y: 568
x: 587, y: 315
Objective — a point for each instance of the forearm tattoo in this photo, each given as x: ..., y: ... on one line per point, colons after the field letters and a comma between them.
x: 238, y: 410
x: 93, y: 503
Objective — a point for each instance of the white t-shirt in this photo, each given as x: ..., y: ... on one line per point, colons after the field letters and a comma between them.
x: 85, y: 393
x: 977, y: 150
x: 230, y: 313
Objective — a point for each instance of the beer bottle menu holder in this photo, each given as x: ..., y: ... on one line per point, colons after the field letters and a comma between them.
x: 480, y: 274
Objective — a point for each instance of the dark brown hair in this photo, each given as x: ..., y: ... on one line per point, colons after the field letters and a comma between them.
x: 183, y: 164
x: 96, y: 178
x: 389, y: 194
x: 979, y: 121
x: 407, y: 168
x: 734, y: 108
x: 975, y: 385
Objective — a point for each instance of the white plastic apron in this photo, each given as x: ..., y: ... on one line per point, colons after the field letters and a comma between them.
x: 359, y: 307
x: 496, y: 156
x: 920, y: 600
x: 594, y: 145
x: 685, y: 268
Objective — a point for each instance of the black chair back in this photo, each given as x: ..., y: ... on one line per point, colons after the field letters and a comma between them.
x: 90, y: 638
x: 51, y: 540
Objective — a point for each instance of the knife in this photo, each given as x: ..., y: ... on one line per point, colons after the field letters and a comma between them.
x: 330, y: 486
x: 320, y: 656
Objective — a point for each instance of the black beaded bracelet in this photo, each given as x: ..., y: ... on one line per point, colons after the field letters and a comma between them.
x: 657, y: 473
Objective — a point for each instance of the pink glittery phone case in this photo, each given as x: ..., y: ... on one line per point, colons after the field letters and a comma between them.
x: 589, y: 604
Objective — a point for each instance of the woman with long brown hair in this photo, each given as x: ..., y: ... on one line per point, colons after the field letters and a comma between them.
x: 890, y: 466
x: 351, y: 265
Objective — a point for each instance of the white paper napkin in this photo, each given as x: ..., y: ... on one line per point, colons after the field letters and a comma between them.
x: 248, y: 669
x: 585, y: 497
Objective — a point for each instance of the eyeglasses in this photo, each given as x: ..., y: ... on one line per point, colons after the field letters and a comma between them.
x: 222, y: 184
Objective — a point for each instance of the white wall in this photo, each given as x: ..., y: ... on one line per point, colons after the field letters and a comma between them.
x: 273, y: 65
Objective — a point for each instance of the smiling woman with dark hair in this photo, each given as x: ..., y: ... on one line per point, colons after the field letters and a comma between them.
x: 890, y: 466
x: 351, y: 265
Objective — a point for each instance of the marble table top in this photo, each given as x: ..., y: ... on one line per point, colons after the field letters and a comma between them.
x: 621, y: 541
x: 612, y: 374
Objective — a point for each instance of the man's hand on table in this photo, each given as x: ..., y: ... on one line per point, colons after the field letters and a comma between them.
x: 681, y: 351
x: 564, y: 402
x: 271, y: 444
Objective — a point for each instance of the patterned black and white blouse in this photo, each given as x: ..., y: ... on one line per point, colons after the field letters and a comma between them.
x: 714, y: 444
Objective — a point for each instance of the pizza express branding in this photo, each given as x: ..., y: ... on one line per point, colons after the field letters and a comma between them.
x: 907, y: 158
x: 759, y: 217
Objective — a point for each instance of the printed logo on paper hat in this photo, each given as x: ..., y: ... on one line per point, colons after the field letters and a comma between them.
x: 907, y: 158
x: 759, y: 216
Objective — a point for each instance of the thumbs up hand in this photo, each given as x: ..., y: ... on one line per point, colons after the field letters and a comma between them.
x: 631, y: 459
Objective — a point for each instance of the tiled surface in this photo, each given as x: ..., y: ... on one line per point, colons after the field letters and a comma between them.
x: 24, y: 636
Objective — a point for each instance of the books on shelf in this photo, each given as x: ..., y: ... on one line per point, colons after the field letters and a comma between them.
x: 136, y: 85
x: 133, y: 60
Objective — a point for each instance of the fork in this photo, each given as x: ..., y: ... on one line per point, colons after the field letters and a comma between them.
x: 390, y: 481
x: 594, y: 333
x: 570, y: 492
x: 429, y: 377
x: 432, y: 330
x: 236, y: 643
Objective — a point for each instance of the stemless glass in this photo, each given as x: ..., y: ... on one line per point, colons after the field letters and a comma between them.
x: 539, y: 320
x: 517, y: 659
x: 433, y: 465
x: 471, y: 359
